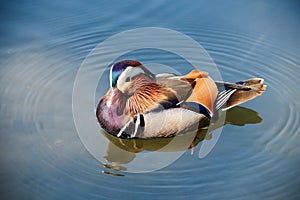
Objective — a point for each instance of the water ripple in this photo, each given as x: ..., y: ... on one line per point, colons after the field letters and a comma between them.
x: 41, y: 103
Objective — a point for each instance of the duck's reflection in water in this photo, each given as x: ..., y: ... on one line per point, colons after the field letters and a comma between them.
x: 123, y: 151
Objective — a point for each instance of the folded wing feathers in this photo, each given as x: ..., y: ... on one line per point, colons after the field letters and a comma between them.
x: 223, y: 98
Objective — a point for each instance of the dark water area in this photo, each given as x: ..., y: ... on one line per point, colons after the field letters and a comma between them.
x: 43, y: 46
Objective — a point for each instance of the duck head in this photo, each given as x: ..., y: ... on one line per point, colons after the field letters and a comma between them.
x: 123, y: 74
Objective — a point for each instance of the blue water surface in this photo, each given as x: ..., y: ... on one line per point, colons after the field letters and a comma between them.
x: 43, y: 44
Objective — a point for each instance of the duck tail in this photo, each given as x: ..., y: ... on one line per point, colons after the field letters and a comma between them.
x: 233, y: 94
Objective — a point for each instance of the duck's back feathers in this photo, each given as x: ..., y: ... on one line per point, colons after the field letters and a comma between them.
x: 181, y: 88
x: 194, y: 88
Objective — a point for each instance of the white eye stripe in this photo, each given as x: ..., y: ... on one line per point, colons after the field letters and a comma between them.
x: 128, y: 73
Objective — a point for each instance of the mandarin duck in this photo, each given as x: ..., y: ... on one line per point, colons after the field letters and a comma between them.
x: 140, y: 104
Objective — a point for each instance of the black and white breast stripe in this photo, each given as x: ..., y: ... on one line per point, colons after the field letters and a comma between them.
x: 133, y: 128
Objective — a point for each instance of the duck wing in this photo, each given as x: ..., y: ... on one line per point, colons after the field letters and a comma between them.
x: 195, y: 89
x: 180, y: 87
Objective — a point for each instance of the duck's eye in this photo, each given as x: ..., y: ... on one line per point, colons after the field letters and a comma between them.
x: 127, y: 79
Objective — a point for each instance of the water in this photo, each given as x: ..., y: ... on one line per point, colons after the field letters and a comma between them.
x: 43, y: 44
